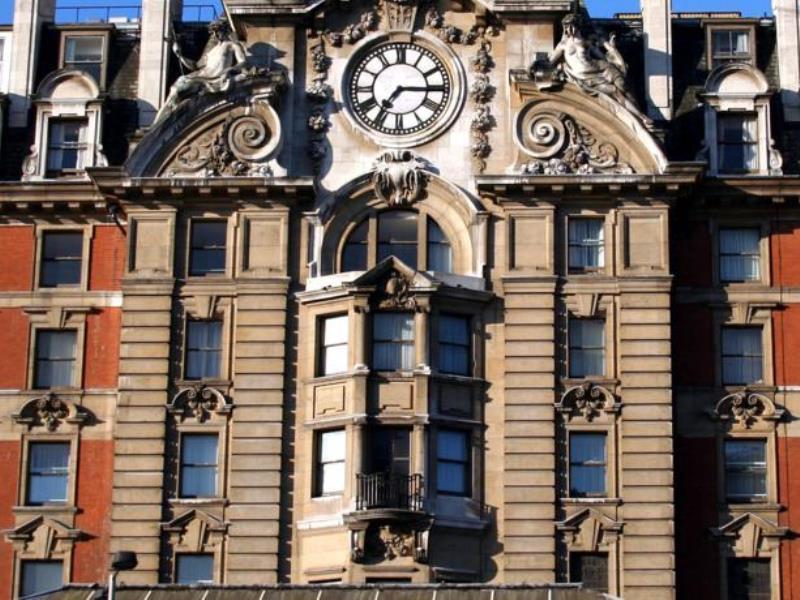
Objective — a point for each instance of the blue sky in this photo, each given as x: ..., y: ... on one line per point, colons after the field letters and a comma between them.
x: 598, y: 8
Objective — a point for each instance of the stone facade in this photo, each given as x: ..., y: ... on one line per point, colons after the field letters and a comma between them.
x: 449, y: 293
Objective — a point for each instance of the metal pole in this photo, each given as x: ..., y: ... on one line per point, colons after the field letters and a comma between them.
x: 112, y: 584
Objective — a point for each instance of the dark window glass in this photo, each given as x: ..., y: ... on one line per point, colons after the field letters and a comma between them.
x: 730, y: 45
x: 739, y: 254
x: 40, y: 576
x: 454, y: 344
x: 453, y: 464
x: 749, y: 579
x: 389, y: 450
x: 354, y: 257
x: 66, y: 145
x: 741, y: 355
x: 85, y: 53
x: 55, y: 358
x: 745, y: 470
x: 62, y: 253
x: 586, y: 347
x: 587, y: 464
x: 397, y: 236
x: 586, y: 245
x: 194, y: 568
x: 198, y: 477
x: 330, y: 467
x: 393, y: 342
x: 207, y: 253
x: 589, y: 568
x: 203, y: 349
x: 737, y: 137
x: 48, y: 472
x: 440, y: 254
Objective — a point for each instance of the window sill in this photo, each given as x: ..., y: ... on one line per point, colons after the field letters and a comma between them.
x: 46, y: 509
x: 756, y: 504
x: 604, y: 501
x: 213, y: 501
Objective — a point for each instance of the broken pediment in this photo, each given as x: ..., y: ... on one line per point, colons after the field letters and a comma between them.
x: 41, y: 537
x: 751, y: 535
x: 195, y: 531
x: 50, y: 411
x: 587, y: 401
x: 589, y: 530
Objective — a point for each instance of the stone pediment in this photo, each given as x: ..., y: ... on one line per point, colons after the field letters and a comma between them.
x: 589, y: 529
x: 394, y: 267
x: 751, y: 534
x: 41, y: 536
x: 50, y: 411
x: 195, y: 530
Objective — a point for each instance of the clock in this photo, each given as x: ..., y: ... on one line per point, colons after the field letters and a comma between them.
x: 398, y: 89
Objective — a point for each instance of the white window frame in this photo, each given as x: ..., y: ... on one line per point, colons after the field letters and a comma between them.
x: 341, y: 346
x: 5, y: 61
x: 318, y: 484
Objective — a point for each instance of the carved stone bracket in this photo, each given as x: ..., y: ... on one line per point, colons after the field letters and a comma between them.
x: 751, y: 536
x: 199, y: 402
x: 747, y: 408
x: 398, y: 177
x: 50, y: 411
x: 587, y: 401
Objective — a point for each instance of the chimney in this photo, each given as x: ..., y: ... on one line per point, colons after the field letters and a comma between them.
x: 154, y: 54
x: 657, y: 26
x: 787, y: 22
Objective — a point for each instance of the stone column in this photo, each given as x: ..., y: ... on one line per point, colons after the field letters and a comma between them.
x: 29, y: 15
x: 657, y: 26
x: 154, y: 54
x: 787, y: 27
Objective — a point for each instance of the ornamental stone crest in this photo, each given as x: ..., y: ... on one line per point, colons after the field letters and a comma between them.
x: 199, y: 402
x: 379, y: 542
x: 50, y: 411
x: 587, y: 401
x: 746, y: 408
x: 398, y: 177
x: 559, y: 145
x: 396, y: 293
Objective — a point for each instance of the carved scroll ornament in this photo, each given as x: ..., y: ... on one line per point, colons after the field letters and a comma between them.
x: 587, y: 401
x: 50, y: 411
x: 398, y: 177
x: 746, y: 408
x: 199, y: 402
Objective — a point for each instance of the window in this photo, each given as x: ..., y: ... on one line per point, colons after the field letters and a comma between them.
x: 198, y: 476
x: 194, y: 568
x: 84, y: 52
x: 586, y: 347
x: 737, y: 137
x: 454, y: 344
x: 397, y: 236
x: 330, y: 468
x: 203, y: 349
x: 390, y: 450
x: 48, y: 472
x: 393, y: 342
x: 55, y: 358
x: 587, y: 465
x: 66, y: 145
x: 586, y: 245
x: 354, y: 257
x: 739, y: 254
x: 5, y: 49
x: 749, y: 579
x: 207, y: 252
x: 333, y: 356
x: 62, y: 254
x: 741, y: 355
x: 589, y: 568
x: 729, y: 45
x: 440, y: 254
x: 40, y: 576
x: 745, y: 470
x: 453, y: 464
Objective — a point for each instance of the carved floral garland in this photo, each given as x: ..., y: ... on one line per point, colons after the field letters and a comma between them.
x: 318, y: 94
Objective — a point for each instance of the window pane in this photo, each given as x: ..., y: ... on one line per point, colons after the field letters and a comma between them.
x: 454, y: 344
x: 40, y: 576
x: 84, y: 49
x: 452, y: 445
x: 66, y: 144
x: 207, y: 253
x: 586, y: 347
x: 393, y: 341
x: 586, y: 246
x: 335, y: 333
x: 332, y: 445
x: 745, y: 470
x: 587, y: 460
x: 194, y: 568
x: 453, y: 461
x: 330, y: 467
x: 203, y: 349
x: 397, y: 236
x: 749, y: 579
x: 332, y: 478
x: 440, y: 254
x: 198, y: 477
x: 354, y: 257
x: 61, y: 258
x: 48, y: 471
x: 741, y: 355
x: 589, y: 568
x: 55, y: 358
x: 739, y: 254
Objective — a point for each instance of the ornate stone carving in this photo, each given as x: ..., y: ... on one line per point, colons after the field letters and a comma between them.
x: 559, y: 145
x: 481, y: 93
x: 587, y: 401
x: 380, y: 542
x: 746, y: 408
x: 319, y: 94
x: 355, y: 31
x: 452, y: 34
x: 199, y: 402
x: 589, y: 61
x: 400, y: 14
x: 396, y: 293
x: 398, y: 177
x: 50, y: 411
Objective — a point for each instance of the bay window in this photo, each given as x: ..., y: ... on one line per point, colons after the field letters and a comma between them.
x: 454, y: 344
x: 393, y: 341
x: 742, y: 358
x: 333, y: 353
x: 397, y: 236
x: 354, y: 255
x: 331, y: 451
x: 453, y: 462
x: 739, y: 254
x: 728, y: 45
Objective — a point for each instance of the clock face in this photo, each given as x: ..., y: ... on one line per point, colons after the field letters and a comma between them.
x: 399, y: 89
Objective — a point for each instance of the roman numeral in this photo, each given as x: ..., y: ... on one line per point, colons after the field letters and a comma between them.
x: 435, y: 88
x: 428, y: 103
x: 398, y: 121
x: 364, y: 88
x: 431, y: 72
x: 367, y: 104
x: 401, y: 54
x: 384, y: 60
x: 381, y: 118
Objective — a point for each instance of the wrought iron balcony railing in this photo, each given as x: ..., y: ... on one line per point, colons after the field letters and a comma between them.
x: 389, y: 490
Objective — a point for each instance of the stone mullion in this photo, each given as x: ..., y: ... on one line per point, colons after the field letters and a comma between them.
x: 139, y: 430
x: 646, y: 446
x: 255, y: 456
x: 529, y: 436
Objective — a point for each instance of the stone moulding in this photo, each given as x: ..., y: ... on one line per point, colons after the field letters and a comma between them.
x: 199, y: 402
x: 588, y: 401
x: 398, y: 178
x: 746, y: 408
x: 50, y: 411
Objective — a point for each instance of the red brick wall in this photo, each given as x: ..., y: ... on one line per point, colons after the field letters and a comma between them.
x: 786, y: 342
x: 696, y: 552
x: 692, y: 345
x: 101, y: 364
x: 13, y: 347
x: 9, y: 475
x: 95, y: 471
x: 691, y: 256
x: 789, y: 496
x: 785, y: 253
x: 108, y: 258
x: 16, y: 258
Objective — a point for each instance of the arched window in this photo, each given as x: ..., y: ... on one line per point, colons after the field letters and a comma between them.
x: 399, y: 233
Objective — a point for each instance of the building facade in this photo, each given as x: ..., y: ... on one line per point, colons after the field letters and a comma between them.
x: 401, y: 292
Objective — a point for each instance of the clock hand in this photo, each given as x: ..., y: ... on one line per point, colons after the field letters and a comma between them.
x: 389, y: 102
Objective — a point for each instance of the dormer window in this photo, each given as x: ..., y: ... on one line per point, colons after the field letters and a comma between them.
x: 737, y: 137
x: 66, y: 146
x: 729, y: 45
x: 84, y: 52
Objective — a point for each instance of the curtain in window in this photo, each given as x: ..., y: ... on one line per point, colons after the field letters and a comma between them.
x: 397, y: 236
x: 194, y: 568
x: 586, y: 248
x: 40, y: 576
x: 48, y: 468
x: 740, y: 43
x: 66, y: 144
x: 741, y: 355
x: 203, y: 349
x: 199, y: 466
x: 739, y: 254
x: 354, y: 256
x: 332, y: 452
x: 454, y: 344
x: 745, y: 469
x: 335, y: 336
x: 586, y: 347
x: 55, y: 359
x: 587, y: 459
x: 393, y: 342
x: 738, y: 142
x: 452, y: 462
x: 440, y: 254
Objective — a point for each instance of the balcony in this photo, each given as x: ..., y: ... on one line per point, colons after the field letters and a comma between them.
x: 389, y: 492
